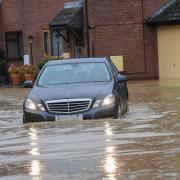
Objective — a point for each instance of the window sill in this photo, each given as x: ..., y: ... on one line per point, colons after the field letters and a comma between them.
x: 15, y: 59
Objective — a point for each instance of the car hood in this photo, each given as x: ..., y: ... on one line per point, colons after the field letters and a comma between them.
x: 71, y: 91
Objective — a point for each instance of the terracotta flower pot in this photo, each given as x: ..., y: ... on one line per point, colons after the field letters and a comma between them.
x: 15, y: 79
x: 30, y: 77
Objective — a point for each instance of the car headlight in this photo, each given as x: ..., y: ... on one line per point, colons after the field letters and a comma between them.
x: 109, y: 99
x: 29, y: 104
x: 97, y: 103
x: 41, y: 107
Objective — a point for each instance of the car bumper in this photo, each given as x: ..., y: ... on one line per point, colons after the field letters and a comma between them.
x: 94, y: 113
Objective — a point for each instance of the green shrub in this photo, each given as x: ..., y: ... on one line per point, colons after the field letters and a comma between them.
x: 2, y: 68
x: 2, y: 55
x: 44, y: 60
x: 2, y: 63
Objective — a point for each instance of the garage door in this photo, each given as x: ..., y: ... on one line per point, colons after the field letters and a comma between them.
x: 169, y: 51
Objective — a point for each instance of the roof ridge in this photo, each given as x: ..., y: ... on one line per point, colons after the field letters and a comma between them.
x: 163, y: 8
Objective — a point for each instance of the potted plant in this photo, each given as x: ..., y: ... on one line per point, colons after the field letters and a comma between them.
x: 15, y: 73
x: 30, y: 73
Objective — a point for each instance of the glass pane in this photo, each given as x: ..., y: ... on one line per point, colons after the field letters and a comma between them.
x: 21, y: 50
x: 46, y: 43
x: 12, y: 36
x: 12, y: 49
x: 74, y: 73
x: 54, y: 45
x: 15, y: 47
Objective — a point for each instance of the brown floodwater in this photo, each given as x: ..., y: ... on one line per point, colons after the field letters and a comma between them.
x: 145, y: 144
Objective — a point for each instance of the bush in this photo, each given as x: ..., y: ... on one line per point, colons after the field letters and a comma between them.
x: 2, y: 63
x: 2, y: 68
x: 44, y: 60
x: 2, y: 55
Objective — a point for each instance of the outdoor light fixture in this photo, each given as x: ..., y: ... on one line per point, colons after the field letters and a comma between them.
x: 58, y: 42
x: 30, y: 37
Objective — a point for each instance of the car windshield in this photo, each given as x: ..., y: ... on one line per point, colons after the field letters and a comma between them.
x: 74, y: 73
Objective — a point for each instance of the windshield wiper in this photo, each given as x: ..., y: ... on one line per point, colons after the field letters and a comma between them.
x: 49, y: 84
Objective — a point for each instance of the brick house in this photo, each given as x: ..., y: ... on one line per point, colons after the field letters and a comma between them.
x: 83, y: 28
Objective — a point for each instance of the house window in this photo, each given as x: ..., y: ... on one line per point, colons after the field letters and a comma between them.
x: 14, y: 45
x: 46, y: 42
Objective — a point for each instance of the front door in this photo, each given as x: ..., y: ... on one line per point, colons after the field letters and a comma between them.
x: 169, y: 51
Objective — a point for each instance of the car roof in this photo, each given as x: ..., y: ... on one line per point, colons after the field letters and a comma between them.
x: 77, y: 60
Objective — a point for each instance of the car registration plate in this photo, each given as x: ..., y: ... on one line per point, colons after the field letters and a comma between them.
x: 69, y: 117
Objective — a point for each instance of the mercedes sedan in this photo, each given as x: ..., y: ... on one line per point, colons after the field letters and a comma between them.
x: 76, y: 89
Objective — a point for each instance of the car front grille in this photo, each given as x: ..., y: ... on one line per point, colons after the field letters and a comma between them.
x: 68, y: 105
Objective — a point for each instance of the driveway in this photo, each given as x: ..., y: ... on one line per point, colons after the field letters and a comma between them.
x: 145, y: 144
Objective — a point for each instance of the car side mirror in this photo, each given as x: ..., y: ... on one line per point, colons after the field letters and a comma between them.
x: 28, y: 84
x: 122, y: 78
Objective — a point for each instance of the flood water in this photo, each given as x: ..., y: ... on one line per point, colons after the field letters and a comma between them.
x: 145, y: 144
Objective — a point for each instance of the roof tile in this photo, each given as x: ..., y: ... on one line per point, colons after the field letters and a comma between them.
x: 167, y: 15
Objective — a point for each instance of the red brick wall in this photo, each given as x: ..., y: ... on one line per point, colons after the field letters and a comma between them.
x: 117, y: 28
x: 38, y: 15
x: 30, y: 17
x: 1, y: 26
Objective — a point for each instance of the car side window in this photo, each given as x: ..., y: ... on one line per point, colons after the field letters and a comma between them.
x: 115, y: 71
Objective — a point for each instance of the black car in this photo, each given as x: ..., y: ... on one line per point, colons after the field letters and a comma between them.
x: 76, y: 89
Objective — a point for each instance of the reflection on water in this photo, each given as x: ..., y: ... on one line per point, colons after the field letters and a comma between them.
x: 110, y: 167
x: 110, y: 149
x: 110, y: 164
x: 145, y: 144
x: 34, y: 151
x: 33, y: 144
x: 35, y: 167
x: 108, y: 131
x: 110, y: 161
x: 33, y: 134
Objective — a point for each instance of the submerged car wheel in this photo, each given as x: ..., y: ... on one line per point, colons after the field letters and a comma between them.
x: 118, y: 114
x: 24, y: 121
x: 127, y: 108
